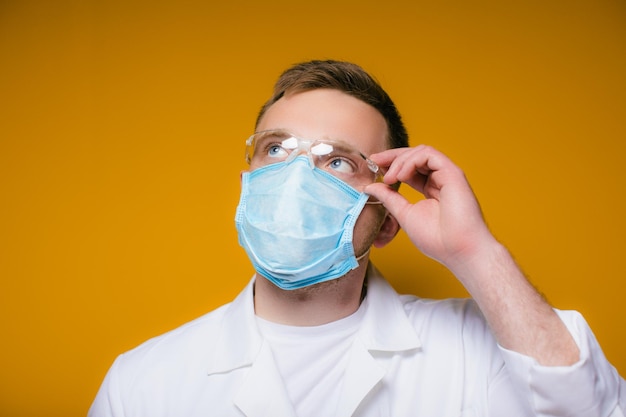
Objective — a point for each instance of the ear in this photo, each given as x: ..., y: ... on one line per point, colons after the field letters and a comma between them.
x: 387, y: 232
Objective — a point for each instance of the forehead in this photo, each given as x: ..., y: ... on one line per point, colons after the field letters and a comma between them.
x: 329, y: 114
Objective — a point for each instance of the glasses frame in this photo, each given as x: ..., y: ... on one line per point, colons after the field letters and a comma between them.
x: 294, y: 152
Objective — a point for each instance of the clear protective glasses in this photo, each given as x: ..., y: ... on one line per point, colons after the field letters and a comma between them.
x: 335, y: 157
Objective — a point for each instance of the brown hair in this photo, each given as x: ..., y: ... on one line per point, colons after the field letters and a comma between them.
x: 348, y: 78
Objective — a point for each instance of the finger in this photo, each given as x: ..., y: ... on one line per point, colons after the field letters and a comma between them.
x: 423, y: 167
x: 422, y: 159
x: 390, y: 161
x: 393, y: 201
x: 408, y: 165
x: 386, y: 157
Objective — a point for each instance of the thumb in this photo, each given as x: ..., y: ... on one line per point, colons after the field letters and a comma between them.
x: 393, y: 201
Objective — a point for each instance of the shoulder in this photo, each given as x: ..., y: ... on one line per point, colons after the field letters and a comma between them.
x: 166, y: 371
x: 187, y: 341
x: 429, y: 317
x: 457, y: 320
x: 457, y: 310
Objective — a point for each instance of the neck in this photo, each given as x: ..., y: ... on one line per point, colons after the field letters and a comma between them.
x: 310, y: 306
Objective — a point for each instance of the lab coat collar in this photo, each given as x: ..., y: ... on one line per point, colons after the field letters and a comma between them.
x: 385, y: 326
x: 239, y: 341
x: 262, y: 393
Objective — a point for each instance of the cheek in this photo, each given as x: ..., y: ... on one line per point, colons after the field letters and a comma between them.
x: 367, y: 227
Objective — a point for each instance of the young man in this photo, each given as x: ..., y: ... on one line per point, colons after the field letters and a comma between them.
x: 319, y: 332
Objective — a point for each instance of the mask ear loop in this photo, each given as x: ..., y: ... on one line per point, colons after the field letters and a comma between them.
x: 358, y: 258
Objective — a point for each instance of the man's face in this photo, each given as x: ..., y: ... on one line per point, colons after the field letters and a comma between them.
x: 334, y: 115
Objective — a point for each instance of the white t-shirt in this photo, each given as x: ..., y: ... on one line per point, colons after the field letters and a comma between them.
x: 312, y: 361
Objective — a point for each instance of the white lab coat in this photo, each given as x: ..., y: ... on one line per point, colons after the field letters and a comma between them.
x: 411, y: 357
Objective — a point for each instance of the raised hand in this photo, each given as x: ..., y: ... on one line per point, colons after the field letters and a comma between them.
x: 447, y: 225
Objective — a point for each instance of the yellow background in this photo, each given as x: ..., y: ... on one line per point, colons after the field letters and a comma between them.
x: 121, y: 141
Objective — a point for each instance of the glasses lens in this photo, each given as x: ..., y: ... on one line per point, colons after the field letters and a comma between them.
x: 342, y: 161
x: 337, y: 158
x: 268, y: 147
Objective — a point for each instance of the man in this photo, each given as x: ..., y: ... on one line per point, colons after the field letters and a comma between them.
x: 319, y: 332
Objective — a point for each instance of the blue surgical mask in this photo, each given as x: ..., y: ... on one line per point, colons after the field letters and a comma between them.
x: 296, y: 223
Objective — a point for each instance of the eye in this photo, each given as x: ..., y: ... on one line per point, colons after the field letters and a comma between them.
x: 276, y: 151
x: 341, y: 165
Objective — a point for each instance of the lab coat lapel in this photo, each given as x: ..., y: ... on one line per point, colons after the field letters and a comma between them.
x: 362, y: 375
x: 263, y: 392
x: 239, y: 345
x: 385, y: 329
x: 238, y: 341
